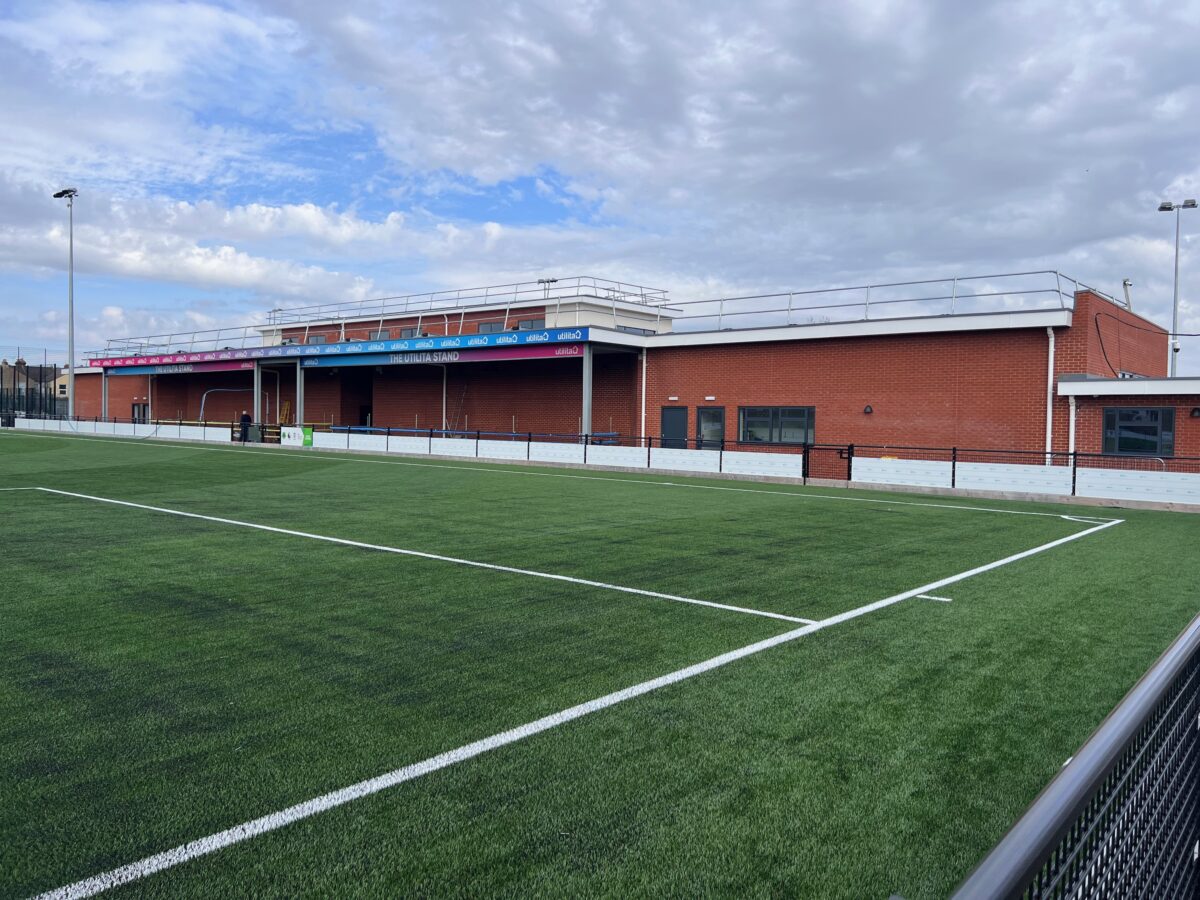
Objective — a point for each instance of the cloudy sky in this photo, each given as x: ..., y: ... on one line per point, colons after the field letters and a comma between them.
x: 232, y: 157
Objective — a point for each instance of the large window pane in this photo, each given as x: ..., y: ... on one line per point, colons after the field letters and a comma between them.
x: 776, y: 424
x: 793, y: 425
x: 1139, y: 431
x: 756, y: 424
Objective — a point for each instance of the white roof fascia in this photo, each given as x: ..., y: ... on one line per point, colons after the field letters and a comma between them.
x: 1038, y: 318
x: 1127, y: 387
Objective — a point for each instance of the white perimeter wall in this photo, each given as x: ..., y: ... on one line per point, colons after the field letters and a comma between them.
x: 1101, y: 483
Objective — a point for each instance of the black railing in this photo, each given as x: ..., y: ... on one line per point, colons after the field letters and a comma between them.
x: 1122, y: 818
x: 1057, y: 472
x: 34, y: 402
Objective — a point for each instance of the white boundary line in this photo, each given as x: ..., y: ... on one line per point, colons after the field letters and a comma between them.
x: 496, y: 467
x: 931, y: 597
x: 434, y: 556
x: 221, y: 839
x: 18, y: 489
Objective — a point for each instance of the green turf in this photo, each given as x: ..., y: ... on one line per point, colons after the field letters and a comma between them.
x: 163, y: 678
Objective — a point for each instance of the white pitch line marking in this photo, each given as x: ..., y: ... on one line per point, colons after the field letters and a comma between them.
x: 931, y: 597
x: 19, y: 489
x: 203, y: 846
x: 1086, y: 520
x: 434, y: 556
x: 495, y: 468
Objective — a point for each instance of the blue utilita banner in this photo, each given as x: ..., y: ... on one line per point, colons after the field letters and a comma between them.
x: 416, y: 345
x: 408, y: 345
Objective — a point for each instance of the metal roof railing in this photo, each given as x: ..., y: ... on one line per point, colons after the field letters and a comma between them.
x: 547, y: 290
x: 959, y: 295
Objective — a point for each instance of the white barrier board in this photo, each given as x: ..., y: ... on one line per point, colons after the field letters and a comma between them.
x: 685, y: 460
x: 780, y: 465
x: 569, y: 453
x: 411, y: 445
x: 1164, y: 487
x: 915, y: 472
x: 631, y: 457
x: 452, y: 446
x: 374, y: 443
x: 1029, y: 479
x: 329, y: 440
x: 501, y: 449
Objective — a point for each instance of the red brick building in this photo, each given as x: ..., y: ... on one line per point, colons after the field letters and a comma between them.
x: 924, y: 365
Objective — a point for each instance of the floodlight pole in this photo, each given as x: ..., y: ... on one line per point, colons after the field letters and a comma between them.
x: 1175, y: 300
x: 71, y: 306
x: 1168, y: 206
x: 69, y: 195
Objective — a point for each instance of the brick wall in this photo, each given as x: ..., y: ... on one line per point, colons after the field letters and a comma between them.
x: 981, y: 389
x: 1103, y: 340
x: 123, y: 392
x: 539, y: 395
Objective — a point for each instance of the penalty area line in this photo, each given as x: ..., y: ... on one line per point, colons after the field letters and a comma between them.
x: 203, y: 846
x: 434, y: 556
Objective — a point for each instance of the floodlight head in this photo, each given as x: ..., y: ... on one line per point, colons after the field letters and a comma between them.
x: 65, y: 192
x: 1166, y: 206
x: 1189, y: 204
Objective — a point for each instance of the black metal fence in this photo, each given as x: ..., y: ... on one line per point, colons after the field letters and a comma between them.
x: 37, y: 401
x: 1122, y: 819
x: 832, y: 462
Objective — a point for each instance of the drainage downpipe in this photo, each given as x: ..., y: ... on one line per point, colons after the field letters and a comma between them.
x: 643, y: 434
x: 1050, y: 397
x: 1071, y: 431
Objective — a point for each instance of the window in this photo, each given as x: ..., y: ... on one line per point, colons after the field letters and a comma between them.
x: 629, y: 329
x: 316, y: 339
x: 379, y: 335
x: 531, y: 324
x: 408, y: 332
x: 490, y: 327
x: 776, y: 424
x: 1139, y: 431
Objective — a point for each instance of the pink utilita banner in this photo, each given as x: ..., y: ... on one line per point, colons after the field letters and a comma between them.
x: 186, y: 368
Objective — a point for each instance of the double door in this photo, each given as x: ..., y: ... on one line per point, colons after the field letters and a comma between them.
x: 710, y: 427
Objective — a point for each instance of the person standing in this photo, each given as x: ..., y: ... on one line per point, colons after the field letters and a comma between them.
x: 245, y: 422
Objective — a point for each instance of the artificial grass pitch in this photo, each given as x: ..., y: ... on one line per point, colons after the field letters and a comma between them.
x: 163, y: 678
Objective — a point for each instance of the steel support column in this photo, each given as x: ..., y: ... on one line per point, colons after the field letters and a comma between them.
x: 257, y: 411
x: 587, y: 389
x: 104, y: 393
x: 299, y: 393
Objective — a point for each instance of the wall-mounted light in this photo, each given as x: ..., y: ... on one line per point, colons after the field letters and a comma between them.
x: 867, y: 409
x: 710, y: 398
x: 672, y: 398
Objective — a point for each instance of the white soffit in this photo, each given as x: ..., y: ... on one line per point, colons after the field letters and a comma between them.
x: 1039, y: 318
x: 1127, y: 387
